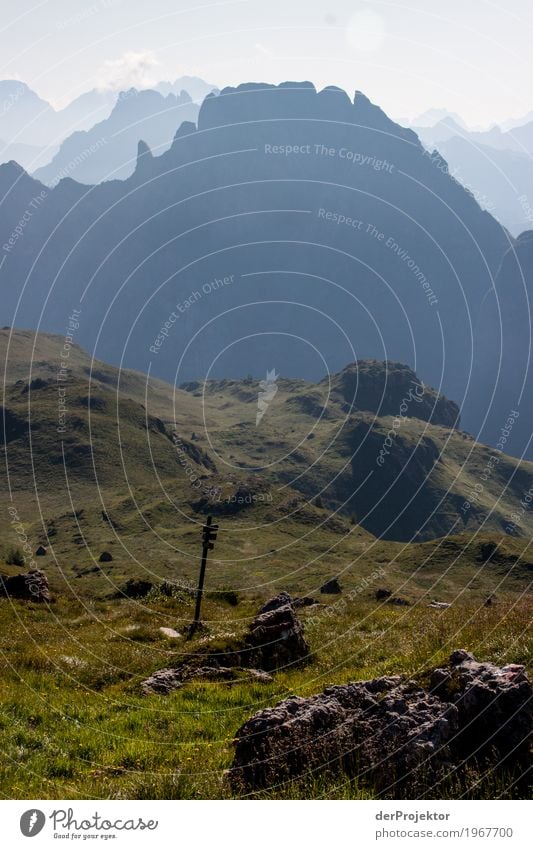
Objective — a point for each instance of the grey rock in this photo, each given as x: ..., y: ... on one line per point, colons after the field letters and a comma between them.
x: 387, y: 732
x: 166, y: 681
x: 275, y: 639
x: 29, y: 586
x: 162, y: 682
x: 495, y: 706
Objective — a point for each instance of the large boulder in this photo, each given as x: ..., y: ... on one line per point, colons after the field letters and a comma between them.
x: 30, y: 586
x: 276, y: 637
x: 495, y: 706
x: 389, y: 733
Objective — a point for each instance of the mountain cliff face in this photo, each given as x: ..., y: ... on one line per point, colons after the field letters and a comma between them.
x: 291, y: 229
x: 503, y: 370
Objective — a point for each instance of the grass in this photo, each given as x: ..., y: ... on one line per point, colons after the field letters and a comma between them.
x: 72, y: 721
x: 73, y: 724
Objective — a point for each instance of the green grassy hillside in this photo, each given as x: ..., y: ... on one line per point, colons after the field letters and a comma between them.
x: 300, y: 498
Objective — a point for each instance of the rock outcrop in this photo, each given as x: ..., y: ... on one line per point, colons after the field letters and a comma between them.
x: 393, y: 735
x: 387, y: 732
x: 495, y: 706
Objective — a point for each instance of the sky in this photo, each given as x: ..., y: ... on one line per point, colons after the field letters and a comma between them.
x: 472, y: 57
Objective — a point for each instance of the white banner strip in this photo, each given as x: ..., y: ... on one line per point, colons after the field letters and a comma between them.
x: 267, y: 825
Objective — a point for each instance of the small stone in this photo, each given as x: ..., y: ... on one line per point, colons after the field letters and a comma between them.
x: 170, y: 633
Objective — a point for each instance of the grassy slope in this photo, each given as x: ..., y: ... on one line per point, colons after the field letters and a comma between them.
x: 73, y: 723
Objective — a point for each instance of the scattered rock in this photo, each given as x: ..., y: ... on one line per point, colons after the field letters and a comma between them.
x: 388, y: 732
x: 276, y: 637
x: 304, y: 601
x: 29, y: 586
x: 136, y: 588
x: 398, y: 601
x: 105, y: 557
x: 41, y: 551
x: 275, y: 640
x: 227, y: 673
x: 162, y: 682
x: 331, y: 587
x: 259, y: 675
x: 382, y: 593
x: 166, y: 681
x: 170, y: 633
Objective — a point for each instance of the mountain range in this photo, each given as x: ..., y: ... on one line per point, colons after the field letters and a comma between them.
x: 495, y: 165
x: 289, y: 229
x: 109, y: 149
x: 32, y: 130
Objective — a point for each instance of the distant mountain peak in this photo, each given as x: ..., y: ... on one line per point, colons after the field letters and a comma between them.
x: 143, y: 152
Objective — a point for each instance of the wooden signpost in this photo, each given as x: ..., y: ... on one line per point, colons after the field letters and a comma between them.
x: 209, y: 535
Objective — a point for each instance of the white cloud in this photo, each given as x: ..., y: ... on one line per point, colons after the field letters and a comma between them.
x: 132, y: 70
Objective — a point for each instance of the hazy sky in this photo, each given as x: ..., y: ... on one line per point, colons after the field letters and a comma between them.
x: 470, y: 56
